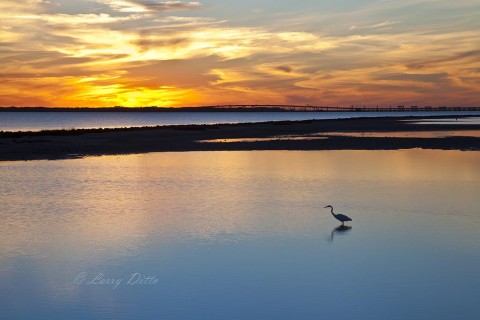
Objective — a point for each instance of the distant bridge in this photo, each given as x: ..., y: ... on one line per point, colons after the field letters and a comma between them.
x: 310, y: 108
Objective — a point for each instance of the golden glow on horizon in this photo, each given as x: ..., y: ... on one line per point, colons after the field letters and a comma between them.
x: 137, y: 53
x: 120, y: 94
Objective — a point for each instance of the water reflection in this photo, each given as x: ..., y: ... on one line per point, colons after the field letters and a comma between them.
x: 274, y: 138
x: 227, y: 231
x: 457, y: 121
x: 340, y: 230
x: 36, y: 121
x: 363, y: 134
x: 409, y: 134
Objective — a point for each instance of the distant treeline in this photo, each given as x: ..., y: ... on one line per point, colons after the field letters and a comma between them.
x: 243, y: 108
x: 145, y: 109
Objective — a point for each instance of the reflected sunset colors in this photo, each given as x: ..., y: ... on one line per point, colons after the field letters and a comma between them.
x: 119, y: 202
x: 207, y: 222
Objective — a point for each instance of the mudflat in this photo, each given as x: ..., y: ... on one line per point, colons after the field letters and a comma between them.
x: 286, y: 135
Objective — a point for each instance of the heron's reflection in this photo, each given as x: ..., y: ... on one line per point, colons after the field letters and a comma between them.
x: 341, y: 229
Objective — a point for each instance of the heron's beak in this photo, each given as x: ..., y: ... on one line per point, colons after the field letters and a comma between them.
x: 326, y: 207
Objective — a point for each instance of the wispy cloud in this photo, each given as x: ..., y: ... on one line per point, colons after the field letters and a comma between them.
x: 150, y: 6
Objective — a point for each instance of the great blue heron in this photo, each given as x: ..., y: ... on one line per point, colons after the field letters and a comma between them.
x: 340, y: 217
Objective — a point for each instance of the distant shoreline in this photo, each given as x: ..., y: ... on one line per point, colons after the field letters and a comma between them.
x: 247, y: 108
x: 64, y: 144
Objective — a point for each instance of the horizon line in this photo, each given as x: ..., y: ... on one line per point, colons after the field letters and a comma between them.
x: 251, y: 106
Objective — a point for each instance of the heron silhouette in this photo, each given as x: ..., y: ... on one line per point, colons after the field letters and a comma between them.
x: 340, y: 217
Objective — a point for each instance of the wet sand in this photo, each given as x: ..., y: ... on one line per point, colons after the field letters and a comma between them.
x: 63, y: 144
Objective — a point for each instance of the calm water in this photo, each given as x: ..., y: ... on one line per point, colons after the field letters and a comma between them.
x: 36, y: 121
x: 461, y: 121
x: 323, y: 135
x: 242, y: 235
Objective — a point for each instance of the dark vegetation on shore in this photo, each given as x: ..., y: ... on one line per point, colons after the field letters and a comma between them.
x: 78, y: 132
x: 146, y: 109
x: 246, y: 108
x: 60, y: 144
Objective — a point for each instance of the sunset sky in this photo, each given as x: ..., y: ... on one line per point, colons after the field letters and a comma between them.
x: 73, y: 53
